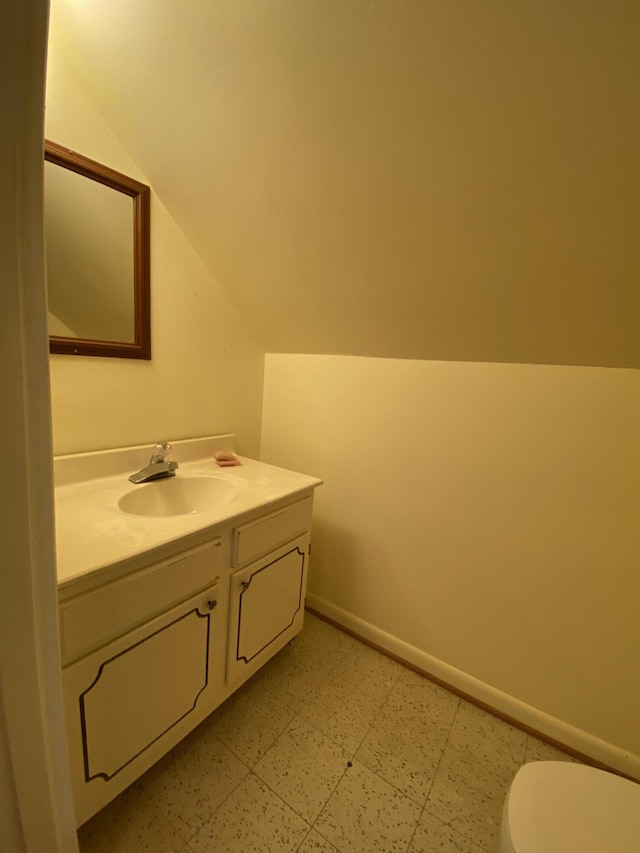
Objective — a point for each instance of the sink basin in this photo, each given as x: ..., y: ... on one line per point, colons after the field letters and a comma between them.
x: 178, y: 496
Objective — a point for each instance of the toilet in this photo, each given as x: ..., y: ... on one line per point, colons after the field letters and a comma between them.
x: 559, y: 807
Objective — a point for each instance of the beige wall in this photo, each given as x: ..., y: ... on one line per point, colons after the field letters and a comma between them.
x: 433, y: 179
x: 205, y: 375
x: 485, y: 515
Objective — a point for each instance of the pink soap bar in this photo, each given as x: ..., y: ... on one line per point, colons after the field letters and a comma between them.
x: 224, y: 458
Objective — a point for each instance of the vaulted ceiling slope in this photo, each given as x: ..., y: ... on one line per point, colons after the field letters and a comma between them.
x: 406, y: 178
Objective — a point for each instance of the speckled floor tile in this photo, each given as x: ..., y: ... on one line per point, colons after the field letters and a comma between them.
x: 324, y: 698
x: 320, y: 640
x: 250, y: 721
x: 303, y: 767
x: 434, y: 836
x: 417, y: 699
x: 344, y: 657
x: 342, y: 712
x: 468, y: 794
x: 402, y: 759
x: 406, y: 740
x: 420, y: 706
x: 191, y: 781
x: 538, y: 750
x: 253, y: 819
x: 130, y: 824
x: 292, y: 677
x: 315, y: 843
x: 486, y: 737
x: 374, y: 673
x: 365, y: 813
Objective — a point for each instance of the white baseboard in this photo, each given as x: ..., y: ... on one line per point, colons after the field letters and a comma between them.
x: 548, y: 727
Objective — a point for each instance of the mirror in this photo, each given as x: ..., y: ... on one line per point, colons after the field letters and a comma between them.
x: 97, y: 246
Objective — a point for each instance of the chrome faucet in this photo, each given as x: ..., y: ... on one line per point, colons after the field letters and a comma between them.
x: 159, y: 465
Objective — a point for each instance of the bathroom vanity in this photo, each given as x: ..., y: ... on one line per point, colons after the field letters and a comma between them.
x: 169, y: 598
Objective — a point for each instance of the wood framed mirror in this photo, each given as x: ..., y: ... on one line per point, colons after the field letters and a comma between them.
x: 97, y: 245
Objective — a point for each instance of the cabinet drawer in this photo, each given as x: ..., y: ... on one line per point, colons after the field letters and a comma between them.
x: 93, y: 619
x: 257, y: 538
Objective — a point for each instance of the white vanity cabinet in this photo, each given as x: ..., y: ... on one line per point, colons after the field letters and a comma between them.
x: 148, y: 654
x: 146, y: 681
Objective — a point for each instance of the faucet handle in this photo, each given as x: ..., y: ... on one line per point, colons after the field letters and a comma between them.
x: 160, y: 452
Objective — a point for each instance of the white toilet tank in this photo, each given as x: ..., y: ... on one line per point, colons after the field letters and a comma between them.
x: 559, y: 807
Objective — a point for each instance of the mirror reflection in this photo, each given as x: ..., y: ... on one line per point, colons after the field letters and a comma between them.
x: 97, y: 243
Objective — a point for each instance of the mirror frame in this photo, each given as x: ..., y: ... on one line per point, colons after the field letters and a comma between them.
x: 140, y: 194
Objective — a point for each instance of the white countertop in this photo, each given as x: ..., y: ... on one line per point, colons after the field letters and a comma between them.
x: 92, y: 532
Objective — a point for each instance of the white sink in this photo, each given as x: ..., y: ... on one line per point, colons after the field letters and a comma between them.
x: 178, y: 496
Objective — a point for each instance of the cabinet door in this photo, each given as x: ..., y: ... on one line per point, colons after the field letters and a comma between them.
x: 266, y: 607
x: 132, y: 700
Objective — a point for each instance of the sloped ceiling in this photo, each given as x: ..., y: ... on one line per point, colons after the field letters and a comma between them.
x: 406, y: 178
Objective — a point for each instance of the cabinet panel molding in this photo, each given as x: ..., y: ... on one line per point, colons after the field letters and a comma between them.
x: 129, y: 702
x: 270, y: 600
x: 266, y: 607
x: 137, y: 695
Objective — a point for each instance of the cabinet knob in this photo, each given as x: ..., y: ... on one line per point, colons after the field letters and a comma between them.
x: 245, y: 585
x: 211, y: 604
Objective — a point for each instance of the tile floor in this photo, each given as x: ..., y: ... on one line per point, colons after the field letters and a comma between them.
x: 330, y: 747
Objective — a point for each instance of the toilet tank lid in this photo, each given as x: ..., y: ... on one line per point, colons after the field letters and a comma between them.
x: 556, y: 806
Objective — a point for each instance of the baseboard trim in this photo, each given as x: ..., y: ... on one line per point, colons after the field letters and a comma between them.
x: 574, y: 741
